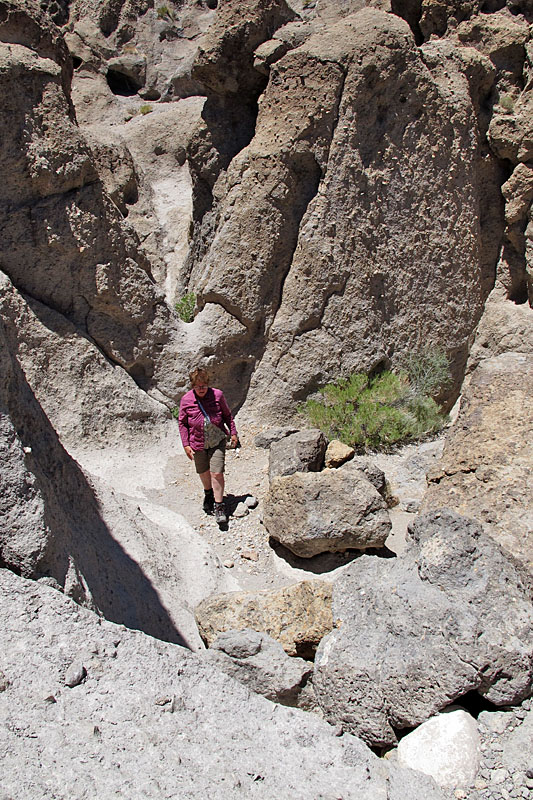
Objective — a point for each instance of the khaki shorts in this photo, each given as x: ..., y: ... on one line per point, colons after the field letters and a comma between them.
x: 212, y: 459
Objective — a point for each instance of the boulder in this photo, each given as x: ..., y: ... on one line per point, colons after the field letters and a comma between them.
x: 486, y: 467
x: 302, y: 451
x: 261, y: 663
x: 266, y: 438
x: 162, y: 721
x: 330, y: 511
x: 297, y: 616
x: 453, y: 615
x: 370, y: 470
x: 338, y: 453
x: 447, y: 747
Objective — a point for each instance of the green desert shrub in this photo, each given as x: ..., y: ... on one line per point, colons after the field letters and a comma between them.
x: 185, y: 307
x: 375, y: 413
x: 146, y: 108
x: 507, y: 103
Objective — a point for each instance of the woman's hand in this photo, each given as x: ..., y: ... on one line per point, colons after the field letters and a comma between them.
x: 188, y: 452
x: 234, y: 441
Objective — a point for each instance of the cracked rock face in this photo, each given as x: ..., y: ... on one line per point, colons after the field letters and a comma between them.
x: 486, y: 468
x: 414, y: 634
x: 393, y: 150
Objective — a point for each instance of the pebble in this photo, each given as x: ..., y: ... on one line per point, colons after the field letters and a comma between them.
x: 498, y: 776
x: 75, y: 674
x: 250, y: 555
x: 229, y: 564
x: 241, y: 511
x: 251, y: 501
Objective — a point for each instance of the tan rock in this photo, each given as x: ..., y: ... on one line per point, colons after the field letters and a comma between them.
x: 297, y: 616
x: 338, y: 453
x: 486, y: 470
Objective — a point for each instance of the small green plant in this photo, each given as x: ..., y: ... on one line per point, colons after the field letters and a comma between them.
x: 164, y: 12
x: 376, y: 413
x: 175, y: 411
x: 507, y: 103
x: 146, y: 108
x: 185, y: 307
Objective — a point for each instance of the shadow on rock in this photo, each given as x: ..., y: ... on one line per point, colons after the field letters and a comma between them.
x: 326, y: 562
x: 53, y: 528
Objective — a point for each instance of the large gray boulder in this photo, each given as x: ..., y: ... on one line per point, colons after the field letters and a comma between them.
x: 261, y: 663
x: 149, y: 717
x: 454, y: 615
x: 302, y: 451
x: 329, y: 511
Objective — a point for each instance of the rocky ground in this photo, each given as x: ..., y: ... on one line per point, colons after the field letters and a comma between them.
x: 161, y: 475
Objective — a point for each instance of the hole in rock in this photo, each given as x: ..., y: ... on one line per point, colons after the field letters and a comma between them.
x: 76, y: 62
x: 519, y: 295
x: 475, y: 703
x: 121, y: 84
x: 131, y: 194
x: 139, y: 375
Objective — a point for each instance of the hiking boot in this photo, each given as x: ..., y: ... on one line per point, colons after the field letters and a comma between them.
x: 220, y: 513
x: 209, y: 501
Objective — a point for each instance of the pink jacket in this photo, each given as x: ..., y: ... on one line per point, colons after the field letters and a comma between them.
x: 191, y: 419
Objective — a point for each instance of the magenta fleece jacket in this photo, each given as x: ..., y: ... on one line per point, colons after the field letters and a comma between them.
x: 191, y: 419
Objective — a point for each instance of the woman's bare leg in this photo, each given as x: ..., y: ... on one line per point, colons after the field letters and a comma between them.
x: 205, y: 477
x: 217, y: 482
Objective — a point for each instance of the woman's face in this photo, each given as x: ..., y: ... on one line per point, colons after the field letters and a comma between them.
x: 200, y: 387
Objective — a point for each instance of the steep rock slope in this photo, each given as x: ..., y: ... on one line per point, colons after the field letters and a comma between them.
x: 95, y: 710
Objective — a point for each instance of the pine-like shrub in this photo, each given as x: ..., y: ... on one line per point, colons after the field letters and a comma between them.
x: 375, y: 413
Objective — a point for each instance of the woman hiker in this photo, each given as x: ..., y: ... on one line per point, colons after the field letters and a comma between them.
x: 203, y: 414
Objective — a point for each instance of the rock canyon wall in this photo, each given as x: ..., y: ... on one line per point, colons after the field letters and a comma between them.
x: 338, y: 184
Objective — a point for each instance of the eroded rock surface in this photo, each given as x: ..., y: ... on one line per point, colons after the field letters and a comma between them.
x: 486, y: 468
x: 297, y: 616
x: 261, y: 663
x: 329, y: 511
x: 453, y: 615
x: 218, y: 739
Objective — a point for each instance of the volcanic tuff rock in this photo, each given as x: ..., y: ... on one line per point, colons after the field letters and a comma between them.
x: 302, y: 451
x: 370, y: 135
x: 261, y: 663
x: 329, y: 511
x: 297, y: 616
x: 486, y: 468
x: 83, y: 263
x: 447, y: 747
x: 59, y: 527
x: 142, y: 698
x: 453, y: 615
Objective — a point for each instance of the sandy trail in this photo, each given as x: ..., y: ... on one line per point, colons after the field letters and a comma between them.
x: 161, y: 480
